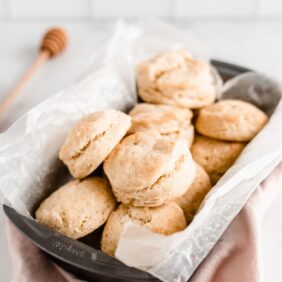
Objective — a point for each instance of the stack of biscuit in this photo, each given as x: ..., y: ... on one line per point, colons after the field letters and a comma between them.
x: 225, y: 129
x: 156, y: 173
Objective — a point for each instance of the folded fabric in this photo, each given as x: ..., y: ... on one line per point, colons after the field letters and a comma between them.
x: 237, y: 256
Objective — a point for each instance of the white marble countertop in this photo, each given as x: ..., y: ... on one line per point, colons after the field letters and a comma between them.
x: 254, y: 44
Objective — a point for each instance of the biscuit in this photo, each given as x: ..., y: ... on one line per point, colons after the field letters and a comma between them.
x: 215, y: 156
x: 170, y: 121
x: 175, y: 78
x: 92, y: 139
x: 146, y: 169
x: 77, y: 208
x: 192, y: 199
x: 166, y: 219
x: 231, y: 120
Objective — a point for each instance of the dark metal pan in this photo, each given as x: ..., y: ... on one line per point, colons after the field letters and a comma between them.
x: 83, y: 258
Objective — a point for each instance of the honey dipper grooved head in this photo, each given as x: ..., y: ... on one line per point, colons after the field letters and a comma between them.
x: 54, y: 41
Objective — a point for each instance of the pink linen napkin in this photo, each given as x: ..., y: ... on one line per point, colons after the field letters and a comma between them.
x: 235, y: 257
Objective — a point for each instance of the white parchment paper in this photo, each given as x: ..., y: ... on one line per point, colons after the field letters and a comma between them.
x: 28, y: 150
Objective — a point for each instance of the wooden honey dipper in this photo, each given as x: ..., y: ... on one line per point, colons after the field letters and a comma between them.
x: 53, y: 43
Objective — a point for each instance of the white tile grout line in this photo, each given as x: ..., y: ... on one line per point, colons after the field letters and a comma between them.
x: 7, y: 9
x: 256, y: 7
x: 91, y: 7
x: 93, y: 18
x: 172, y: 7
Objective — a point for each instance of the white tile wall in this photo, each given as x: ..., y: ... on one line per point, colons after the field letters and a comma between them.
x: 270, y: 7
x: 184, y: 9
x: 202, y: 8
x: 131, y: 8
x: 49, y: 8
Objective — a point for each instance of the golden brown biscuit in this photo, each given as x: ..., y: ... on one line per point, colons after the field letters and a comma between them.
x: 77, y: 208
x: 170, y: 121
x: 231, y: 120
x: 215, y: 156
x: 175, y: 78
x: 92, y: 139
x: 192, y: 199
x: 146, y: 169
x: 166, y: 219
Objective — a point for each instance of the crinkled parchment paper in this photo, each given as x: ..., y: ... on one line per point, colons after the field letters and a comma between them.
x: 30, y: 168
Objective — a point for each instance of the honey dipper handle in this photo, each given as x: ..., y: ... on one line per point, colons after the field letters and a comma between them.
x: 8, y: 100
